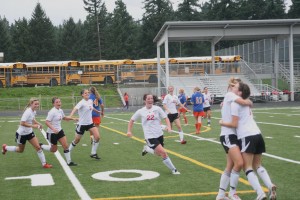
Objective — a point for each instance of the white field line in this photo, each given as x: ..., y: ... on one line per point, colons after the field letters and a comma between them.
x: 75, y: 182
x: 210, y: 140
x: 275, y: 124
x: 276, y: 113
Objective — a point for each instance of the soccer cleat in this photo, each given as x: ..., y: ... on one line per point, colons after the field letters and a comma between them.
x: 234, y: 197
x: 95, y: 156
x: 262, y: 196
x: 72, y: 164
x: 175, y: 171
x: 47, y: 165
x: 183, y: 142
x: 144, y: 152
x: 272, y: 193
x: 208, y: 124
x: 4, y: 149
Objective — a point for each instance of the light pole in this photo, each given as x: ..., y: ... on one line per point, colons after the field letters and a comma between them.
x: 98, y: 33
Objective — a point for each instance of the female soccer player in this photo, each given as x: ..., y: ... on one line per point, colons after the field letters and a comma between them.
x: 169, y: 103
x: 25, y: 132
x: 252, y: 144
x: 206, y: 105
x: 97, y: 104
x: 229, y: 141
x: 183, y: 101
x: 85, y: 123
x: 151, y: 116
x: 55, y: 132
x: 197, y: 100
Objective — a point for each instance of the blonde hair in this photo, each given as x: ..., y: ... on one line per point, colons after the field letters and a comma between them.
x: 95, y: 92
x: 233, y: 81
x: 31, y: 100
x: 181, y: 90
x: 197, y: 89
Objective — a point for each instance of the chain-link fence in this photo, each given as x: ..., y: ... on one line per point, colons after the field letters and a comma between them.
x: 110, y: 101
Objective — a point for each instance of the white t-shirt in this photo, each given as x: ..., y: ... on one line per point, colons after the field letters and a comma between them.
x: 246, y: 125
x: 28, y: 116
x: 171, y: 101
x: 207, y: 99
x: 55, y: 116
x: 151, y: 119
x: 85, y: 109
x: 226, y: 113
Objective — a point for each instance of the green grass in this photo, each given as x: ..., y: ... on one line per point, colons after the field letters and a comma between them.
x: 200, y: 162
x: 17, y: 98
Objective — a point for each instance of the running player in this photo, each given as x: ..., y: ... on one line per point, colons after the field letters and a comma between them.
x: 151, y: 116
x: 55, y: 133
x: 197, y: 100
x: 251, y: 143
x: 169, y: 103
x: 183, y: 101
x: 25, y: 132
x: 97, y: 104
x: 206, y: 105
x: 85, y: 123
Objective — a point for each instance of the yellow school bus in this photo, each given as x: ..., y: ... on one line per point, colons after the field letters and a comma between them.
x: 106, y: 71
x: 53, y: 73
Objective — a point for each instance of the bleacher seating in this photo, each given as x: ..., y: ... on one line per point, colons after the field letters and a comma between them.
x: 217, y: 84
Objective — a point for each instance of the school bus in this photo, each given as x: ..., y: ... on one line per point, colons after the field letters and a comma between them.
x: 146, y: 69
x: 107, y: 71
x: 229, y: 64
x: 52, y: 73
x: 5, y: 74
x: 12, y: 74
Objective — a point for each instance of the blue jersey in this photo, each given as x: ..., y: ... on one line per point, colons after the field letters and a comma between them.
x: 96, y: 105
x: 182, y: 99
x: 197, y: 100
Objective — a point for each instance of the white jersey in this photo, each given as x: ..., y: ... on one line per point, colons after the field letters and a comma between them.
x: 85, y: 109
x: 207, y: 99
x: 28, y: 116
x: 226, y: 113
x: 151, y: 119
x: 171, y: 101
x: 246, y: 125
x: 55, y: 116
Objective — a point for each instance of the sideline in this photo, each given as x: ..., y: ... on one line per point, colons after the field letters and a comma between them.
x: 210, y: 140
x: 75, y: 182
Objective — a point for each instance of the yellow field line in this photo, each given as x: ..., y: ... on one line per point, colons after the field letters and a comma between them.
x: 171, y: 195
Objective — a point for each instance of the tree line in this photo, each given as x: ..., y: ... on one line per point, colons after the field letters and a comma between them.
x: 116, y: 35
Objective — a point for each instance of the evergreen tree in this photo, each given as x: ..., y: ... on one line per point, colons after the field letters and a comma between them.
x: 94, y: 8
x: 42, y: 32
x: 5, y: 40
x: 21, y: 37
x: 71, y: 41
x: 157, y: 12
x: 294, y: 11
x: 188, y: 10
x: 122, y: 33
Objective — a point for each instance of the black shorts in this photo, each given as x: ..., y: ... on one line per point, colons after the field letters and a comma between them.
x: 229, y: 141
x: 254, y: 144
x: 80, y: 129
x: 53, y: 138
x: 206, y: 109
x: 21, y: 139
x: 154, y: 142
x: 173, y: 117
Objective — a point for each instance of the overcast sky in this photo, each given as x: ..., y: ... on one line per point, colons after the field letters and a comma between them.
x: 60, y: 10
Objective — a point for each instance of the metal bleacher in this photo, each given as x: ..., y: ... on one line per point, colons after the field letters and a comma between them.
x: 217, y: 84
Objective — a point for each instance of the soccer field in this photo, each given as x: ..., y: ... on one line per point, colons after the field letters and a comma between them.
x: 123, y: 173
